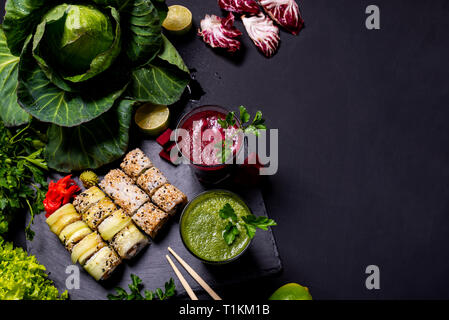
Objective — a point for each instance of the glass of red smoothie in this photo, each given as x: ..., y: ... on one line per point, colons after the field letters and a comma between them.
x: 205, y: 136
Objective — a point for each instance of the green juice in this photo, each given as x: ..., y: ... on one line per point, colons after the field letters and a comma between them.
x: 202, y: 228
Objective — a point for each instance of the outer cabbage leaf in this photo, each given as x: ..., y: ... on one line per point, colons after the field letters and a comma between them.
x: 23, y: 278
x: 142, y: 31
x: 93, y: 144
x: 48, y: 103
x: 47, y: 41
x: 162, y: 9
x: 21, y: 18
x: 163, y: 80
x: 10, y: 111
x: 118, y: 4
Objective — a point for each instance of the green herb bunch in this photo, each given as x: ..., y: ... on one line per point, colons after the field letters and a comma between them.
x: 250, y: 222
x: 136, y: 286
x: 23, y: 184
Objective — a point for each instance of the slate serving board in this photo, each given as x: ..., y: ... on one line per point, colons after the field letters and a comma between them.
x: 261, y: 259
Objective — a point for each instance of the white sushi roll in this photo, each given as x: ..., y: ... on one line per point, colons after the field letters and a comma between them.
x: 113, y: 224
x: 135, y: 163
x: 150, y: 219
x: 87, y: 199
x: 129, y: 241
x: 98, y: 212
x: 151, y: 180
x: 169, y: 198
x: 124, y: 191
x: 101, y: 265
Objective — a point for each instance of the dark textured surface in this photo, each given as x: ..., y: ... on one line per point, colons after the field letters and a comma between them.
x: 364, y: 135
x: 261, y: 259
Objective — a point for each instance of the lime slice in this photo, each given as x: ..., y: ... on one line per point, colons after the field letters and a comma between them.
x: 291, y: 291
x: 179, y: 20
x: 152, y: 118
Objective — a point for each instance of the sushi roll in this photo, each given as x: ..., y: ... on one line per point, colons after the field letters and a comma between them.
x: 150, y: 219
x: 123, y: 191
x: 62, y: 217
x: 169, y: 198
x: 87, y: 247
x: 129, y: 241
x: 98, y: 212
x: 74, y: 233
x: 135, y: 163
x: 87, y: 199
x: 151, y: 180
x: 113, y: 224
x: 101, y: 265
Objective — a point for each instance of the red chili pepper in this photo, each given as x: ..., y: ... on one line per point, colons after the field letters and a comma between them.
x: 59, y: 194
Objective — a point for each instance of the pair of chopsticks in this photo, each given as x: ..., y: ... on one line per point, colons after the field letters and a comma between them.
x: 194, y: 275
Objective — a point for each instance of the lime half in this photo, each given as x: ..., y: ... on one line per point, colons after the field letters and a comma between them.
x: 152, y: 118
x: 179, y: 20
x: 291, y: 291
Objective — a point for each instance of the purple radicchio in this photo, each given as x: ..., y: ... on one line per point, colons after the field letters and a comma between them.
x: 263, y: 32
x: 220, y: 32
x: 240, y: 6
x: 285, y: 13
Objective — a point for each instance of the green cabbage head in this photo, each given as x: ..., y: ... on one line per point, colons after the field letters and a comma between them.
x: 80, y: 68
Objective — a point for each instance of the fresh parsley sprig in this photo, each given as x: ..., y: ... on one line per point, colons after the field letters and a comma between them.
x: 246, y: 126
x: 250, y: 222
x: 136, y: 286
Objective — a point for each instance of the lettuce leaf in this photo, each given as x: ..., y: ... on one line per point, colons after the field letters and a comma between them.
x: 23, y: 278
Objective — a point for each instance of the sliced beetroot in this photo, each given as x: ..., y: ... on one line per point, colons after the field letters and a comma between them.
x: 164, y: 138
x: 285, y: 12
x: 240, y: 6
x: 220, y: 32
x: 263, y: 32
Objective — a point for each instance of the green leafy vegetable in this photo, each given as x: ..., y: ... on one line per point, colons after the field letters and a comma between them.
x: 10, y: 111
x: 68, y: 65
x: 249, y: 222
x: 22, y: 175
x: 23, y: 278
x: 136, y: 286
x: 90, y: 145
x: 254, y: 127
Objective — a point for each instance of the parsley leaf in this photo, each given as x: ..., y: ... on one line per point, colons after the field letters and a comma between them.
x: 230, y: 233
x: 228, y: 212
x: 244, y: 115
x: 252, y: 223
x: 136, y: 286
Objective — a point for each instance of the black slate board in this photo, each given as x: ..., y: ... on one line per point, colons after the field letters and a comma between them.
x: 261, y: 259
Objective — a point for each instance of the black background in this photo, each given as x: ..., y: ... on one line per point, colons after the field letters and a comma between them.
x: 364, y: 135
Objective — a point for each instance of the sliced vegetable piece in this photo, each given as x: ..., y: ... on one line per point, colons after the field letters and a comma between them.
x: 129, y: 241
x: 101, y: 265
x: 152, y: 119
x: 263, y: 32
x: 178, y: 20
x: 64, y: 221
x: 84, y: 249
x: 77, y: 237
x: 240, y: 6
x: 68, y: 231
x: 64, y: 210
x: 220, y: 32
x: 113, y: 224
x: 285, y: 12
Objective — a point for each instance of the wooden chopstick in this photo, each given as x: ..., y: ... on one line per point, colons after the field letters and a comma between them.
x: 195, y: 276
x: 183, y: 281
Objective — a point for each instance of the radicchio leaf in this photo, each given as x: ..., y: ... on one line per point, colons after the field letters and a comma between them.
x: 220, y: 32
x: 240, y: 6
x: 263, y: 32
x: 285, y: 13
